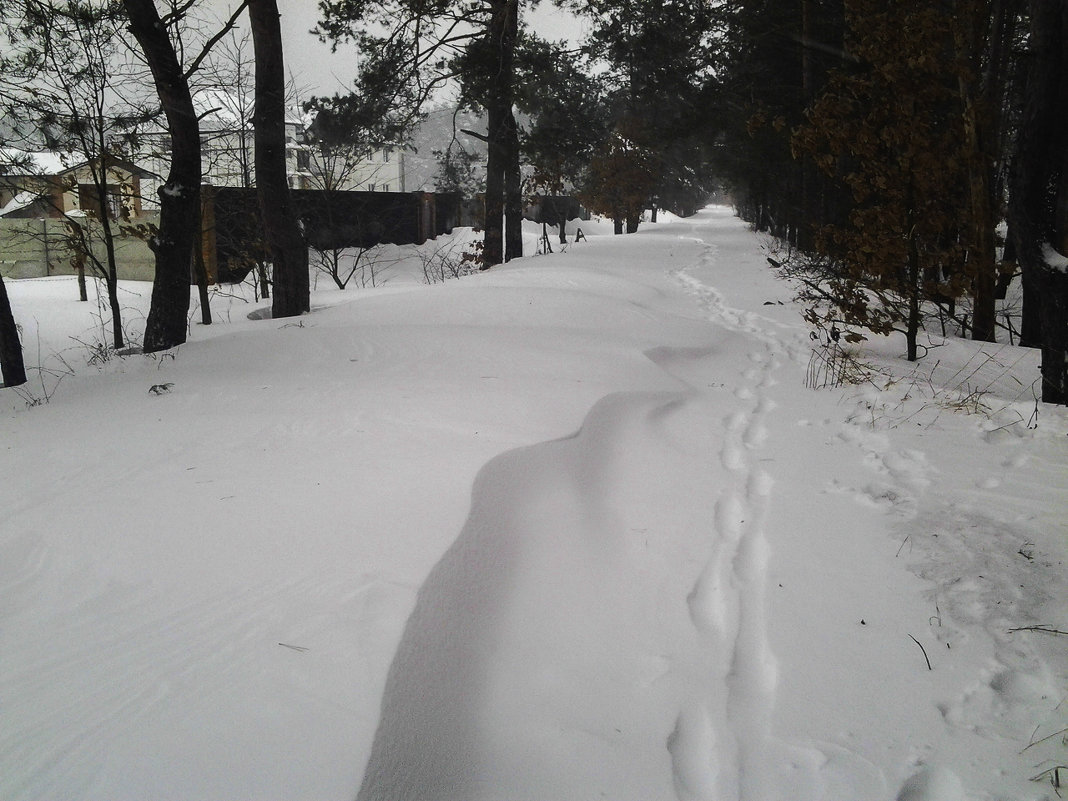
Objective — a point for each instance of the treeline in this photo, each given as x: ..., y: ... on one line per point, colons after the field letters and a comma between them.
x: 883, y: 141
x: 888, y: 141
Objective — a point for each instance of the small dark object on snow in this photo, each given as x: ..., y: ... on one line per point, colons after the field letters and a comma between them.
x: 160, y: 389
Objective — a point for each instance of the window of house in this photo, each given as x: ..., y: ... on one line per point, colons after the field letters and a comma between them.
x: 303, y: 160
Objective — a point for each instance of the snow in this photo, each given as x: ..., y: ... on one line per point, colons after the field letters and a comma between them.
x: 1053, y: 259
x: 20, y: 201
x: 572, y: 528
x: 44, y: 162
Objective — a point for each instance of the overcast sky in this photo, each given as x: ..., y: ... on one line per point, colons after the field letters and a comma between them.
x: 319, y: 71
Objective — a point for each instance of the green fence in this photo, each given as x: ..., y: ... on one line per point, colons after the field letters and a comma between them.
x: 36, y: 248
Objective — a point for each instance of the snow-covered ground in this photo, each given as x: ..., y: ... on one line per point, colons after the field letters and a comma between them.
x: 570, y: 529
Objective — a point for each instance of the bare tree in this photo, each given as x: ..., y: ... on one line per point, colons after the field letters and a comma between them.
x: 180, y: 195
x: 162, y: 39
x: 63, y: 86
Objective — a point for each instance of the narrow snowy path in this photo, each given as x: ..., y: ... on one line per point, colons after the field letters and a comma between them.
x: 727, y: 604
x: 505, y: 640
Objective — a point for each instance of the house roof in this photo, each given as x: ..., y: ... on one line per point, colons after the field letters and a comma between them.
x: 44, y: 162
x: 48, y: 162
x: 18, y: 202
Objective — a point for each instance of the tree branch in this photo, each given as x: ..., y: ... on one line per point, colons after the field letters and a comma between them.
x: 214, y: 40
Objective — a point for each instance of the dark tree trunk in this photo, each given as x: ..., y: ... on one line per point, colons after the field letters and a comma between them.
x: 1031, y: 311
x: 912, y: 324
x: 179, y: 215
x: 980, y: 38
x: 807, y: 215
x: 503, y: 195
x: 289, y: 251
x: 83, y: 290
x: 264, y: 280
x: 12, y: 367
x: 513, y: 195
x: 493, y: 249
x: 200, y: 270
x: 110, y: 268
x: 634, y: 218
x: 513, y: 188
x: 1039, y: 185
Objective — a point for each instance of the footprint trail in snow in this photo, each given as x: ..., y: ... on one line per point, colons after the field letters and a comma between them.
x: 718, y: 748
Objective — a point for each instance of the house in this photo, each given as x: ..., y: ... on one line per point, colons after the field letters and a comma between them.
x: 45, y: 197
x: 52, y: 185
x: 227, y: 144
x: 371, y: 171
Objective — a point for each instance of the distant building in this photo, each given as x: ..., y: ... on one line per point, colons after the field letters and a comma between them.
x: 227, y: 141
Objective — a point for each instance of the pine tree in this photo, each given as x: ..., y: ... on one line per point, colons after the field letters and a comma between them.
x: 427, y: 45
x: 774, y: 60
x: 568, y: 117
x: 659, y: 54
x: 890, y: 129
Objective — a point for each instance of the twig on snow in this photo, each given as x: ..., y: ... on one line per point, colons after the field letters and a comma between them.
x: 926, y: 658
x: 1048, y: 737
x: 1041, y: 627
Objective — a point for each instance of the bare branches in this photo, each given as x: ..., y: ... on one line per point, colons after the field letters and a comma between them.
x: 214, y: 40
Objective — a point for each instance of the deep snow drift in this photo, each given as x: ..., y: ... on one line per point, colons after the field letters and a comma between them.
x: 570, y: 529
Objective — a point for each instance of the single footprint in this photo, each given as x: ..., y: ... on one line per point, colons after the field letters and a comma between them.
x: 692, y: 746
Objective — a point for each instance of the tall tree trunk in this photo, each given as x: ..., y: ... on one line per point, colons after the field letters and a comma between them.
x: 12, y: 367
x: 179, y: 215
x: 915, y: 290
x: 83, y: 290
x: 493, y: 249
x: 1040, y: 164
x: 502, y: 163
x: 111, y: 265
x: 513, y: 195
x: 200, y: 270
x: 978, y: 42
x: 289, y: 252
x: 513, y: 189
x: 807, y: 216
